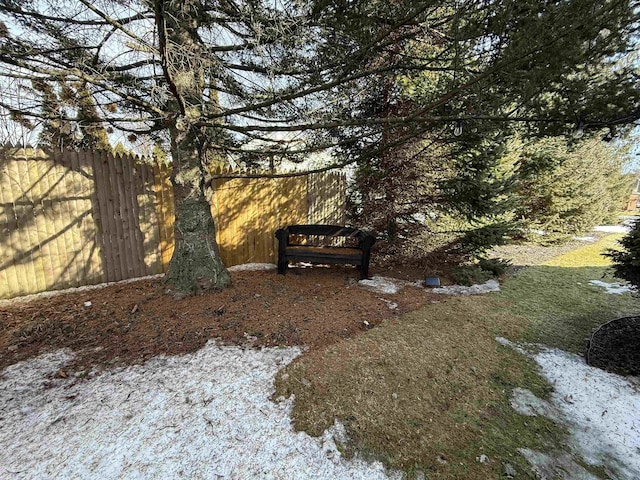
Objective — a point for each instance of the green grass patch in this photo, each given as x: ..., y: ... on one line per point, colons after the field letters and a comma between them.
x: 431, y: 391
x: 560, y: 307
x: 589, y: 255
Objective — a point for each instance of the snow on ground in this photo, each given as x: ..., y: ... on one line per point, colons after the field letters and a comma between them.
x: 382, y: 285
x: 487, y: 287
x: 526, y: 403
x: 612, y: 288
x: 601, y: 410
x: 612, y: 228
x: 203, y: 415
x: 388, y: 285
x: 585, y: 239
x: 549, y: 465
x: 252, y: 267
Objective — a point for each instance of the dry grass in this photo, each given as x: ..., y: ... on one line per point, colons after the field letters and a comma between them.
x: 426, y: 392
x: 430, y: 391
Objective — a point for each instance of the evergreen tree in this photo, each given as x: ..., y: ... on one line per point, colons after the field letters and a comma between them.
x: 566, y: 189
x: 226, y: 76
x: 70, y: 117
x: 626, y: 262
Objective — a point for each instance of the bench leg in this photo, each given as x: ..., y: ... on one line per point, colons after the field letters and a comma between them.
x: 364, y: 274
x: 364, y: 268
x: 282, y: 266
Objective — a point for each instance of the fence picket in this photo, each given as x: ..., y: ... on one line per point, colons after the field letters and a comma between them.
x: 56, y: 215
x: 102, y: 215
x: 112, y: 215
x: 90, y: 232
x: 49, y: 247
x: 168, y: 212
x: 151, y: 221
x: 136, y: 258
x: 30, y: 244
x: 84, y: 208
x: 20, y: 240
x: 73, y: 219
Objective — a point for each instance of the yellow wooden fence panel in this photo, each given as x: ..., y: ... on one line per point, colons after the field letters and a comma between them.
x: 248, y: 211
x: 70, y: 219
x: 166, y: 212
x: 7, y: 252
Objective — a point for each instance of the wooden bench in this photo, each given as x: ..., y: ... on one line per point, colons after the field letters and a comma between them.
x: 320, y: 244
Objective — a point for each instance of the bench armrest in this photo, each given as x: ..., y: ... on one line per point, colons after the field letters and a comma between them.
x: 282, y: 234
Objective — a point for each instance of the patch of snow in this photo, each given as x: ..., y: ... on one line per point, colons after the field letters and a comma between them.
x: 537, y: 232
x: 557, y: 466
x: 585, y: 239
x: 612, y: 228
x: 526, y: 403
x: 612, y: 288
x: 202, y: 415
x: 487, y: 287
x: 510, y: 344
x: 603, y: 413
x: 84, y: 288
x: 382, y: 285
x: 601, y: 410
x: 309, y: 265
x: 252, y: 267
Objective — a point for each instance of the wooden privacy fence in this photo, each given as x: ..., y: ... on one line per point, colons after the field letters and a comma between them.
x: 248, y: 211
x: 79, y: 218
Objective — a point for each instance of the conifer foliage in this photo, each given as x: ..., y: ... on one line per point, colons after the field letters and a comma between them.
x: 351, y: 80
x: 626, y: 262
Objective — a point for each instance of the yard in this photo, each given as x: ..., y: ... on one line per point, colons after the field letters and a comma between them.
x: 160, y: 141
x: 149, y: 384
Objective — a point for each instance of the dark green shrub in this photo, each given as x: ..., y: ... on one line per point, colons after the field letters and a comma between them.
x: 626, y: 262
x: 470, y: 275
x: 479, y: 240
x: 497, y: 266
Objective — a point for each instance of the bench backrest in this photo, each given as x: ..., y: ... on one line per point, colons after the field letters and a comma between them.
x: 326, y: 231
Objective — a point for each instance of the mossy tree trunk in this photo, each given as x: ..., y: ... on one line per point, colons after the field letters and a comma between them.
x: 196, y: 265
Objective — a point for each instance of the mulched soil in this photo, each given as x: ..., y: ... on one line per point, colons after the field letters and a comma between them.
x: 615, y: 346
x: 129, y: 323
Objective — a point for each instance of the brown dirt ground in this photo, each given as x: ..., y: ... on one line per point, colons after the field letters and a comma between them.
x: 129, y: 323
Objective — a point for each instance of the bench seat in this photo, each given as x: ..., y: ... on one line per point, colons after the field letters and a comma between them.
x: 319, y: 254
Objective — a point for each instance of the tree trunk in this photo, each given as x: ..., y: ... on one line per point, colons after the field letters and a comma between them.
x: 196, y: 265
